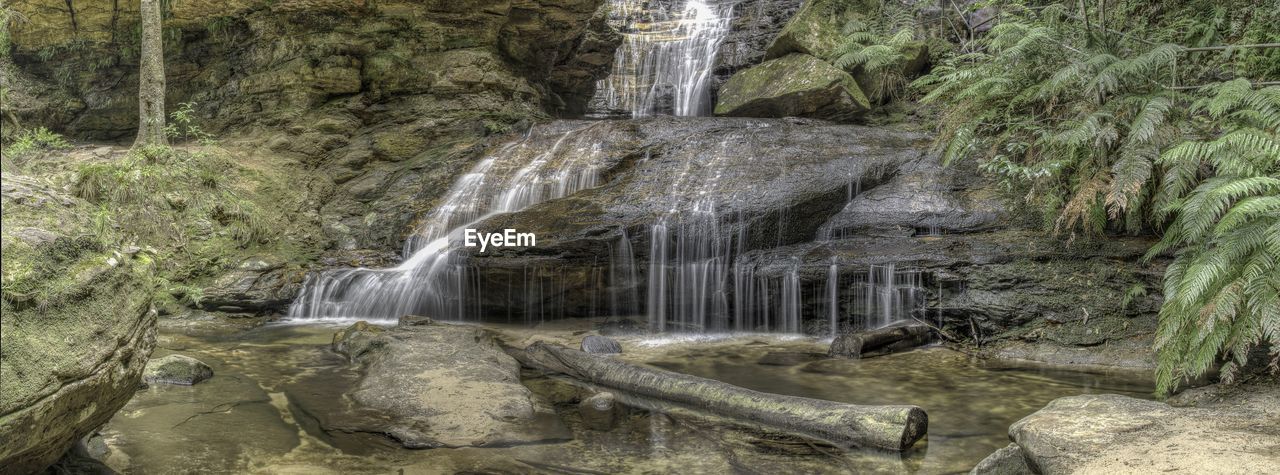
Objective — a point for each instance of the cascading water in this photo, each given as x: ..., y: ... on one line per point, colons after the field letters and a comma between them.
x: 665, y: 62
x: 431, y: 279
x: 888, y: 296
x: 833, y: 298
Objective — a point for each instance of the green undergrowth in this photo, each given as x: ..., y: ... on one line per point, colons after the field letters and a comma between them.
x: 197, y: 208
x: 193, y: 212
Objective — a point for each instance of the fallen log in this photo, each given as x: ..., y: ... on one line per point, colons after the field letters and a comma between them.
x: 879, y: 341
x: 845, y: 425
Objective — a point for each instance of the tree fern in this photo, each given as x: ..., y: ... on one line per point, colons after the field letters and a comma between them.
x: 1223, y: 288
x: 1084, y: 120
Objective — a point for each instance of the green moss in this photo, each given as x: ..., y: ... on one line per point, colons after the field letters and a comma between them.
x: 817, y: 28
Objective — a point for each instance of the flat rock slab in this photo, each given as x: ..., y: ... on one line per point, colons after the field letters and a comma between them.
x: 1109, y: 433
x: 440, y: 385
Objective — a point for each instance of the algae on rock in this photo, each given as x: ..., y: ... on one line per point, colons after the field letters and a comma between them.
x: 796, y: 85
x: 77, y: 328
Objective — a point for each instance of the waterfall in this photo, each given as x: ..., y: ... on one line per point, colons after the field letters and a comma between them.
x: 889, y: 296
x: 791, y: 298
x: 664, y: 64
x: 624, y: 278
x: 432, y: 278
x: 833, y: 298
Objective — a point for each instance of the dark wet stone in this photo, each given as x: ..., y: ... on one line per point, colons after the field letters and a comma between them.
x: 176, y: 369
x: 600, y: 345
x: 357, y: 340
x: 415, y: 320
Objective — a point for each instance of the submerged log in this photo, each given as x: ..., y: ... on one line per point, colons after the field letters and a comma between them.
x: 879, y: 341
x: 884, y: 427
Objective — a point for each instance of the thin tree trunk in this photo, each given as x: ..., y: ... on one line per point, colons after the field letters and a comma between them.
x: 151, y: 78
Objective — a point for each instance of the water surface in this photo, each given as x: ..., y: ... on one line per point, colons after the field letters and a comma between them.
x: 272, y: 385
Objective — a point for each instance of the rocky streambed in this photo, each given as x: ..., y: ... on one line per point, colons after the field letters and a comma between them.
x: 283, y: 400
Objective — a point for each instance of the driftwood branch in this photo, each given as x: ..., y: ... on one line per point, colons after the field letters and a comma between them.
x: 845, y: 425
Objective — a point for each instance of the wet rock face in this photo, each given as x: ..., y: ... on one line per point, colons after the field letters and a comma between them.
x: 266, y: 61
x: 77, y: 328
x: 439, y: 385
x: 796, y: 85
x: 755, y: 24
x: 816, y: 29
x: 770, y: 183
x: 922, y: 198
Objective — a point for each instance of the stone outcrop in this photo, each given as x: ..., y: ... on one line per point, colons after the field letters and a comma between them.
x: 255, y: 285
x: 77, y: 328
x: 437, y: 385
x: 987, y: 273
x: 1108, y: 433
x: 380, y: 103
x: 759, y: 173
x: 600, y: 345
x: 796, y: 85
x: 294, y: 56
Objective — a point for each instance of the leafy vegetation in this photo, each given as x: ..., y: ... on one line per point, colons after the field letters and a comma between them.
x: 182, y: 125
x: 880, y: 48
x: 34, y: 140
x: 1091, y: 124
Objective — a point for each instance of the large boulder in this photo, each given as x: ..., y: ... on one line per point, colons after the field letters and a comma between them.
x: 796, y: 85
x: 1109, y: 433
x: 255, y: 285
x: 439, y: 385
x: 77, y: 328
x: 817, y: 29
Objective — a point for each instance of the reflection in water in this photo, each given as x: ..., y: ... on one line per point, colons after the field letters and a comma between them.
x: 276, y: 399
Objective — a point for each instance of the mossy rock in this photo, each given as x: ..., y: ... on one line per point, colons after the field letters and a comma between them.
x: 177, y: 369
x: 817, y: 29
x: 77, y: 326
x: 796, y: 85
x: 358, y: 340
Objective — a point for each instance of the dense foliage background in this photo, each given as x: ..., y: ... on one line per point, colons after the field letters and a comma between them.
x: 1140, y: 116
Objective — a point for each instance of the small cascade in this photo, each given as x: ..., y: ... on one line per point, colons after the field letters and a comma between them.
x: 791, y: 299
x: 833, y: 298
x: 889, y: 296
x: 690, y: 260
x: 432, y: 279
x: 854, y: 187
x: 665, y: 62
x: 624, y: 278
x: 691, y: 254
